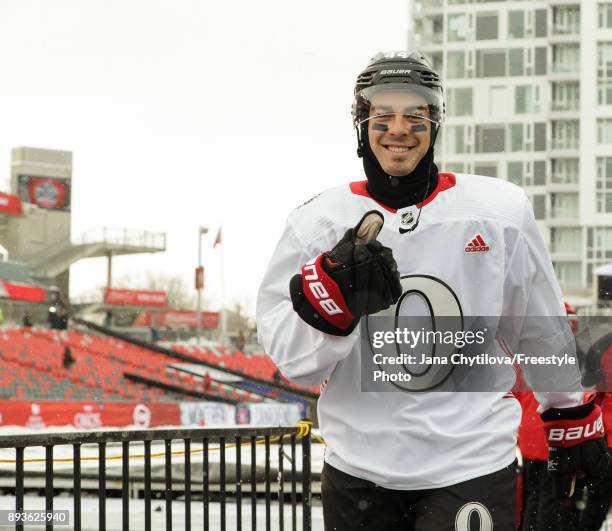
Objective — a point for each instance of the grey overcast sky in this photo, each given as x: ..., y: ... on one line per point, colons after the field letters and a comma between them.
x: 182, y: 113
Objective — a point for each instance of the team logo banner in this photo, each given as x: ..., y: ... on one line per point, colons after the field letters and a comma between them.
x: 130, y: 297
x: 50, y: 193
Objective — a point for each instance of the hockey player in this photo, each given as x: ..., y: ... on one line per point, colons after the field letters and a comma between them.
x: 460, y: 245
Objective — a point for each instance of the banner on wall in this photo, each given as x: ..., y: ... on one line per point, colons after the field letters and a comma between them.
x: 132, y: 297
x: 87, y: 415
x: 16, y: 291
x: 207, y: 414
x: 10, y: 204
x: 177, y: 319
x: 269, y: 414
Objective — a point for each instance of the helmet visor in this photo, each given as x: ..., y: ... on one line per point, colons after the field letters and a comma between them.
x: 379, y: 104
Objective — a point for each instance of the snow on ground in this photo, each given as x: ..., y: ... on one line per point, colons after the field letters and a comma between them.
x: 113, y: 467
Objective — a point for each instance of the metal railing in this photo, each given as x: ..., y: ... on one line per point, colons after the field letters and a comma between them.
x: 565, y: 105
x: 124, y: 237
x: 216, y: 483
x: 564, y: 143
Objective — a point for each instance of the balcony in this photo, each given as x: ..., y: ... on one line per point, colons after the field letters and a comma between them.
x: 419, y: 7
x: 560, y: 29
x: 563, y: 213
x: 565, y: 105
x: 566, y: 250
x: 563, y: 68
x: 565, y: 256
x: 564, y: 144
x: 431, y: 39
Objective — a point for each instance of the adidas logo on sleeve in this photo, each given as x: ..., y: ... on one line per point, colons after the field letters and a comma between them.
x: 477, y: 245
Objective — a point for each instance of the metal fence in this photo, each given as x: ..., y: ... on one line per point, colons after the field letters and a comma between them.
x: 246, y: 482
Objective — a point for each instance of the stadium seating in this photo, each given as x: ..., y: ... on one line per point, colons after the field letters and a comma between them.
x: 31, y: 367
x: 257, y: 365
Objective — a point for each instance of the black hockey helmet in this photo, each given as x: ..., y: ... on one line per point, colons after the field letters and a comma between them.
x: 398, y: 72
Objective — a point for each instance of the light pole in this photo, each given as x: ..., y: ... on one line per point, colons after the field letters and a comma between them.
x: 199, y: 283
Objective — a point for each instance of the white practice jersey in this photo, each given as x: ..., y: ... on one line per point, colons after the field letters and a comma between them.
x: 479, y: 237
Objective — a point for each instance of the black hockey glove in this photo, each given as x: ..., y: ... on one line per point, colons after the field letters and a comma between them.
x: 577, y: 449
x: 357, y: 277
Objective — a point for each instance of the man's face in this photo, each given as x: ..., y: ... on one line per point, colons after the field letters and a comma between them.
x: 397, y: 147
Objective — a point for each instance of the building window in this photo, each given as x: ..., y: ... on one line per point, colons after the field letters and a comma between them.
x: 516, y: 60
x: 539, y: 206
x: 565, y: 96
x: 569, y: 274
x: 523, y: 99
x: 604, y: 60
x: 565, y: 134
x: 605, y: 15
x: 455, y: 139
x: 436, y: 60
x: 539, y: 136
x: 517, y: 140
x: 540, y: 23
x: 603, y: 185
x: 604, y: 92
x: 460, y: 102
x: 515, y: 172
x: 599, y: 248
x: 564, y: 171
x: 566, y: 20
x: 433, y: 29
x: 454, y: 167
x: 491, y: 63
x: 566, y: 58
x: 539, y: 172
x: 457, y: 27
x: 566, y: 240
x: 599, y: 243
x: 455, y: 68
x: 516, y: 24
x: 604, y: 131
x: 486, y: 26
x: 564, y: 206
x: 488, y: 169
x: 490, y: 138
x: 540, y: 61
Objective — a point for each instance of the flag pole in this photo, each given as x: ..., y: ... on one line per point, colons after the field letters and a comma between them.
x: 201, y: 232
x: 223, y: 311
x: 223, y: 316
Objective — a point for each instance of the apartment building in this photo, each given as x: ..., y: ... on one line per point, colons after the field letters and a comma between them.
x: 529, y: 93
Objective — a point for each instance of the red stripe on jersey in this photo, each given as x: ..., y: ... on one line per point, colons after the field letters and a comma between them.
x: 360, y: 188
x: 445, y: 182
